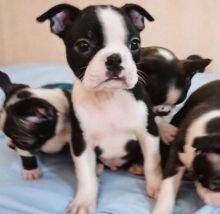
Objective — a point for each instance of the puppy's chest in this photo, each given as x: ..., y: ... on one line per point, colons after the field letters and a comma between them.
x: 110, y: 119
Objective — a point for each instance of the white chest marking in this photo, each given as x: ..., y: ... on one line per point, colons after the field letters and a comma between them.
x: 196, y: 129
x: 108, y: 119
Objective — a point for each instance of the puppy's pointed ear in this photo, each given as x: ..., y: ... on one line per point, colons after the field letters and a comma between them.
x: 193, y: 66
x: 61, y: 17
x: 137, y: 14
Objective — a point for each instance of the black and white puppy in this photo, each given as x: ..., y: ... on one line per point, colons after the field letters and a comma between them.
x: 196, y: 147
x: 167, y: 80
x: 111, y: 111
x: 34, y: 120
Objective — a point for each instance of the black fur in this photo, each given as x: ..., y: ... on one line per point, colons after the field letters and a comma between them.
x: 29, y: 135
x: 160, y: 73
x: 29, y: 163
x: 24, y: 94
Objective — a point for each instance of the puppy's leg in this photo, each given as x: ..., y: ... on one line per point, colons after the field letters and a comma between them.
x: 29, y: 163
x: 169, y: 187
x: 85, y: 166
x: 152, y: 166
x: 166, y: 130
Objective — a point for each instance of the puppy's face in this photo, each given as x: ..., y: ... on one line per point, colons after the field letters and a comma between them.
x: 167, y: 78
x: 102, y: 42
x: 206, y: 164
x: 207, y: 170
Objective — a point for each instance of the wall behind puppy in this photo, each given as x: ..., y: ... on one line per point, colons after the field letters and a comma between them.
x: 186, y: 27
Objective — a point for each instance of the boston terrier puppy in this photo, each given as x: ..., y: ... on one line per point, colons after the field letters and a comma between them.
x: 196, y: 147
x: 167, y: 80
x: 34, y: 120
x: 111, y: 113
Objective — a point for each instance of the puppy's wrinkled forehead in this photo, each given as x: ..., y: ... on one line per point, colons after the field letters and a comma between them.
x: 106, y: 24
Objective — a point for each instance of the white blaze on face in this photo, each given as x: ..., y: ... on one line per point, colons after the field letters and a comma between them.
x: 166, y: 54
x: 115, y: 34
x: 196, y: 129
x: 173, y: 95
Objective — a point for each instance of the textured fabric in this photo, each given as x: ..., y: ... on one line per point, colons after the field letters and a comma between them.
x: 119, y: 192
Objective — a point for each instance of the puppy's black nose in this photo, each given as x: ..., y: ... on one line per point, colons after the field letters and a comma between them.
x: 113, y: 63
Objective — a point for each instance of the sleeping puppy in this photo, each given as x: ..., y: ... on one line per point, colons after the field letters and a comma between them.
x: 196, y: 148
x: 167, y: 80
x: 111, y: 115
x: 34, y: 120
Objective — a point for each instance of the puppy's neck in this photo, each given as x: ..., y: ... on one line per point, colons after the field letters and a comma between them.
x: 82, y: 94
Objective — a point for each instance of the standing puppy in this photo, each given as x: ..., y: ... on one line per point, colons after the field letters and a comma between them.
x: 111, y: 114
x: 34, y: 120
x: 196, y: 147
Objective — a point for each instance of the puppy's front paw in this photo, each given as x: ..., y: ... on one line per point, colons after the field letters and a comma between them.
x: 153, y: 185
x: 31, y: 174
x: 82, y: 206
x: 167, y: 132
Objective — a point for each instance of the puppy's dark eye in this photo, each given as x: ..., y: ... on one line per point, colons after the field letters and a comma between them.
x: 83, y: 46
x: 134, y: 44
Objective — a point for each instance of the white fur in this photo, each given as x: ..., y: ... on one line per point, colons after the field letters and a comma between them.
x: 152, y: 168
x: 196, y: 129
x: 54, y: 96
x: 3, y: 116
x: 55, y: 144
x: 166, y: 54
x: 173, y: 95
x: 105, y: 118
x: 87, y: 187
x: 114, y: 32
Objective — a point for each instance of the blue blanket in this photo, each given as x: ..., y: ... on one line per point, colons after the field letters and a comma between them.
x: 119, y: 192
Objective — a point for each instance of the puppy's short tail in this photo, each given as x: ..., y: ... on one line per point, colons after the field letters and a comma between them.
x: 5, y: 83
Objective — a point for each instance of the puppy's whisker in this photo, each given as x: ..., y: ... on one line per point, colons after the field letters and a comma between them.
x: 141, y: 79
x: 139, y: 63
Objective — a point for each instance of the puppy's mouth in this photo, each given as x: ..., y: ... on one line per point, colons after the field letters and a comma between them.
x: 115, y: 78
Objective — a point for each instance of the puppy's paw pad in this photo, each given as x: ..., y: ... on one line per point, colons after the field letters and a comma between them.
x: 136, y: 169
x: 30, y: 175
x: 78, y: 207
